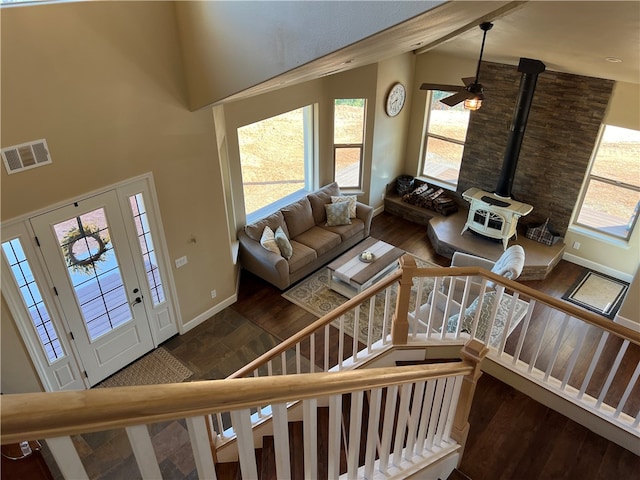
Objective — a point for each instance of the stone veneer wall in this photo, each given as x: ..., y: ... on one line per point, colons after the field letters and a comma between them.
x: 561, y: 132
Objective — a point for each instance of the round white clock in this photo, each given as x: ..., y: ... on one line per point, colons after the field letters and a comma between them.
x: 395, y: 100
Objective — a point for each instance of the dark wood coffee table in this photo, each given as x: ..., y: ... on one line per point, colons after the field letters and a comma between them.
x: 349, y: 275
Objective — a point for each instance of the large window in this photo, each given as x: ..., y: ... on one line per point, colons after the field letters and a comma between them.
x: 276, y: 158
x: 611, y: 196
x: 444, y: 139
x: 348, y: 139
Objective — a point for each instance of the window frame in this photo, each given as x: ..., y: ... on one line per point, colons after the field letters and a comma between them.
x: 425, y: 141
x: 589, y: 177
x: 359, y: 146
x: 310, y: 135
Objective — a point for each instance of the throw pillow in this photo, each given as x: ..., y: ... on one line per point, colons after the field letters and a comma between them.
x: 347, y: 198
x: 268, y: 240
x: 337, y: 214
x: 283, y: 243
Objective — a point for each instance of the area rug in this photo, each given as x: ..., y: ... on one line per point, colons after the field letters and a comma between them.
x: 597, y: 292
x: 154, y: 368
x: 313, y: 295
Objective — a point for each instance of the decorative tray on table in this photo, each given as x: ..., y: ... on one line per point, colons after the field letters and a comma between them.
x: 367, y: 257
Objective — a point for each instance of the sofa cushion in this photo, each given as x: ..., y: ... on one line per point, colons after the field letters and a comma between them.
x: 302, y: 256
x: 347, y: 198
x: 273, y: 221
x: 320, y: 239
x: 283, y: 243
x: 268, y: 240
x: 348, y: 231
x: 319, y: 199
x: 298, y: 217
x: 337, y: 214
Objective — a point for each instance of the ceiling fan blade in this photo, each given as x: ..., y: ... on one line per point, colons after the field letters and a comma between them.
x: 441, y: 87
x: 456, y: 98
x: 468, y: 81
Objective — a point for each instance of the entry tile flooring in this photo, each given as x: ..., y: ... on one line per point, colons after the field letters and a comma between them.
x: 213, y: 350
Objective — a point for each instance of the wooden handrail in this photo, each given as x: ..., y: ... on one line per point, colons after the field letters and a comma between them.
x: 45, y: 415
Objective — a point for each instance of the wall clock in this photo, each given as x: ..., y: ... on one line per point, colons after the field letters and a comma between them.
x: 395, y: 100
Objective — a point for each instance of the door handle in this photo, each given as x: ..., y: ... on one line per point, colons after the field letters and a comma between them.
x: 137, y: 300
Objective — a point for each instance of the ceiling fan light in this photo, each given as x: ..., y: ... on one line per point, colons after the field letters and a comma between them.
x: 473, y: 104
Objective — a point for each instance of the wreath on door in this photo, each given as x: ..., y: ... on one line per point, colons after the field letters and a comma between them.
x: 86, y: 234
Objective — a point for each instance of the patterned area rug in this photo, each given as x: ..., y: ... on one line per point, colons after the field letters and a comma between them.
x: 598, y: 292
x: 313, y: 294
x: 154, y: 368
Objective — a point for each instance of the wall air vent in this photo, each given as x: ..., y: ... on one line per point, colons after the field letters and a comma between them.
x: 26, y: 156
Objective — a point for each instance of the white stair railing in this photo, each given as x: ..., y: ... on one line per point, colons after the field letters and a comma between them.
x: 56, y: 416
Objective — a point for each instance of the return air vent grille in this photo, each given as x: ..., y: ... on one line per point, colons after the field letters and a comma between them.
x: 26, y: 156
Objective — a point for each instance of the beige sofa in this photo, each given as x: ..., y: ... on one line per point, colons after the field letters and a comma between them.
x: 313, y: 242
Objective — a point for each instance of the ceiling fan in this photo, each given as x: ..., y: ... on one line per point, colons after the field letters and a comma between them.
x: 471, y: 93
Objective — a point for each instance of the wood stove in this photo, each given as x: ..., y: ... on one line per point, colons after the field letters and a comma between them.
x: 493, y: 216
x: 496, y: 215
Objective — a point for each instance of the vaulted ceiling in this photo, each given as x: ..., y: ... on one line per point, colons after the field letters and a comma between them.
x: 591, y: 38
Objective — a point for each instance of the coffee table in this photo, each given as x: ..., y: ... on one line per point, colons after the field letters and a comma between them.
x: 349, y: 275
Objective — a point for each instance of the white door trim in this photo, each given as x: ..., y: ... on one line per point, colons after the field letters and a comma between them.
x: 140, y: 184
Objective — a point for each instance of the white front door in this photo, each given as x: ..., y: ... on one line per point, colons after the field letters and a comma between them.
x: 88, y: 256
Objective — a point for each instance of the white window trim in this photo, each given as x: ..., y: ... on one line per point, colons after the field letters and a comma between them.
x: 423, y: 151
x: 586, y: 230
x: 311, y: 167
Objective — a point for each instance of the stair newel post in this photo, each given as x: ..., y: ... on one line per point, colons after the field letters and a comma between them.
x: 400, y: 322
x: 473, y: 352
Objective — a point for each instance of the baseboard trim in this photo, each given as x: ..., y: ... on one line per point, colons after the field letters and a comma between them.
x: 583, y: 262
x: 208, y: 314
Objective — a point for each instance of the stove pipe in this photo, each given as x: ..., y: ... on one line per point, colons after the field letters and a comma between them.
x: 530, y: 70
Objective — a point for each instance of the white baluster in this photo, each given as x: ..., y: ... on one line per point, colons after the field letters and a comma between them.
x: 281, y: 441
x: 401, y: 425
x: 435, y: 411
x: 532, y: 363
x: 310, y: 433
x: 341, y: 343
x: 202, y: 455
x: 414, y: 419
x: 326, y: 348
x: 356, y: 333
x: 335, y: 435
x: 142, y: 448
x: 426, y: 412
x: 453, y: 405
x: 375, y: 401
x: 66, y: 456
x: 523, y: 332
x: 627, y: 391
x: 556, y: 348
x: 385, y: 319
x: 355, y: 425
x: 298, y: 356
x: 372, y: 319
x: 574, y: 357
x: 612, y: 373
x: 387, y: 427
x: 312, y: 353
x: 241, y: 421
x: 593, y: 364
x: 420, y: 288
x: 283, y: 361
